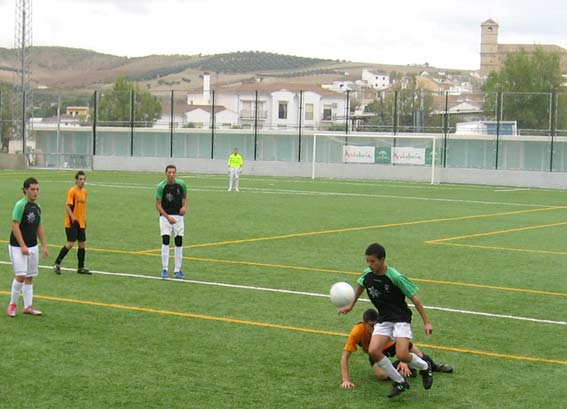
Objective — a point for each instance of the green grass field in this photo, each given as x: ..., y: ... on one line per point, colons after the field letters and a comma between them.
x: 252, y: 326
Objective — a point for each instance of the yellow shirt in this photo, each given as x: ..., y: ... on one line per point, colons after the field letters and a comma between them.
x: 77, y: 201
x: 235, y: 161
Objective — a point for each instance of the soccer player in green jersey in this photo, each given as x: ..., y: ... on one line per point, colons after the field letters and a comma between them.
x: 387, y: 290
x: 171, y: 203
x: 23, y: 248
x: 235, y: 164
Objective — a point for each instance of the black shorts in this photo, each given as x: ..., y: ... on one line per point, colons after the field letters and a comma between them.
x: 75, y: 232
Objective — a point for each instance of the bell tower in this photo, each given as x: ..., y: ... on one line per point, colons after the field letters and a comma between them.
x: 489, y: 60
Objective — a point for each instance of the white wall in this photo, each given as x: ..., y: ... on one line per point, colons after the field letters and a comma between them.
x: 551, y: 180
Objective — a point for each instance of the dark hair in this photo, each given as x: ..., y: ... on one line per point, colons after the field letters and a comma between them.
x: 28, y: 182
x: 79, y: 173
x: 170, y: 167
x: 377, y: 250
x: 370, y: 315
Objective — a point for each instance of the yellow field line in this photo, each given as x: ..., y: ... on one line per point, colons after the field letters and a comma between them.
x: 378, y: 226
x: 489, y: 287
x: 493, y: 233
x: 353, y: 273
x: 557, y: 253
x: 492, y: 354
x: 283, y: 327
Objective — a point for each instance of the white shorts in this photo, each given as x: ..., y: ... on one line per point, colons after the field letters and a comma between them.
x: 175, y: 229
x: 24, y: 265
x: 234, y: 172
x: 393, y: 330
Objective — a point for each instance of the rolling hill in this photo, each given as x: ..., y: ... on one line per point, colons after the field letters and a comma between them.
x: 62, y: 68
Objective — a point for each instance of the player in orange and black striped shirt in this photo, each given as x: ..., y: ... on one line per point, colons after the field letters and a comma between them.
x: 360, y: 336
x: 75, y: 224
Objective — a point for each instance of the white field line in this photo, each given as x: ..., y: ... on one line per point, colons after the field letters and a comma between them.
x: 305, y: 293
x: 318, y: 193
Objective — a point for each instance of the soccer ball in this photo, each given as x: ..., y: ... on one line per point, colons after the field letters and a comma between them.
x: 342, y: 294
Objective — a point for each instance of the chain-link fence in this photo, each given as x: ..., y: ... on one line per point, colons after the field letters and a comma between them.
x: 525, y: 131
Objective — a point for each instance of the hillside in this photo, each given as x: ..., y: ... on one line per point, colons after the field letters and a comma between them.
x: 66, y: 69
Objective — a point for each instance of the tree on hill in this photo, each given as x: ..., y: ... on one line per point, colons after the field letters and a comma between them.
x: 527, y: 82
x: 115, y: 106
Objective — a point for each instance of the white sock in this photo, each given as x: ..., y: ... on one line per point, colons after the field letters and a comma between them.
x: 236, y: 183
x: 417, y: 362
x: 165, y: 256
x: 230, y: 183
x: 178, y: 257
x: 27, y: 290
x: 16, y: 289
x: 389, y: 369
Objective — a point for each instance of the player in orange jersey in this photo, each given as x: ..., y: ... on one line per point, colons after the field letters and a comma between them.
x: 75, y: 224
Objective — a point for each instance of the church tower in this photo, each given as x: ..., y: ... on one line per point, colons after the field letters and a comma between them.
x: 488, y: 47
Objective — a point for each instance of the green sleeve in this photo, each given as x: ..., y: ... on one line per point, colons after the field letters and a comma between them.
x: 402, y: 282
x: 183, y: 186
x: 18, y: 211
x: 360, y: 280
x: 159, y: 192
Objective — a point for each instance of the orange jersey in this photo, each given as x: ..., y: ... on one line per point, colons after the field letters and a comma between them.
x: 360, y: 337
x: 77, y: 201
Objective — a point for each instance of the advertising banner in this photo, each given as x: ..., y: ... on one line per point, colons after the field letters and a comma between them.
x: 408, y: 155
x: 358, y: 154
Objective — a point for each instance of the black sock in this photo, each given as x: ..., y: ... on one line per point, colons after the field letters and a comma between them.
x: 81, y: 257
x: 62, y: 254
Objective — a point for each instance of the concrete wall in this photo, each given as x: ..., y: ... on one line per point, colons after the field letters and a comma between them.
x: 12, y: 161
x: 526, y: 179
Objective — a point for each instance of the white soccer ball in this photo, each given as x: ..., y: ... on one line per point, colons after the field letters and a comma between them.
x: 342, y: 294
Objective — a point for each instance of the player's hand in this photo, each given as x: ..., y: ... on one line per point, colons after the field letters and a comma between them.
x: 182, y: 211
x: 428, y: 328
x: 344, y: 310
x: 347, y: 385
x: 171, y: 219
x: 25, y: 250
x: 404, y: 369
x: 44, y: 251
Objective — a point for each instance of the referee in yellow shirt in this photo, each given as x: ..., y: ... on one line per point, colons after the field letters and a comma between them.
x: 235, y: 164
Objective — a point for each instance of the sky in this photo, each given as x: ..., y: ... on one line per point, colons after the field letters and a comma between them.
x: 442, y: 33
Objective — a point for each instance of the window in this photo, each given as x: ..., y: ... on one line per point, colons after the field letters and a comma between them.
x: 282, y: 110
x: 327, y: 112
x: 308, y: 112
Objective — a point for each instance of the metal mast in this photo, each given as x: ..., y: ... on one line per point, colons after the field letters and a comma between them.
x: 22, y: 87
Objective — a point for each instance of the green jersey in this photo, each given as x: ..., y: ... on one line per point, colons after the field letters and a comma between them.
x: 388, y: 293
x: 28, y: 214
x: 171, y: 196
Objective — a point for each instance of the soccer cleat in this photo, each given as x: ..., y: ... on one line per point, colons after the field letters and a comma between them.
x: 57, y: 268
x: 83, y: 270
x: 12, y: 310
x: 237, y: 189
x: 397, y: 388
x: 427, y: 377
x: 179, y: 274
x: 164, y: 273
x: 32, y: 311
x: 442, y: 368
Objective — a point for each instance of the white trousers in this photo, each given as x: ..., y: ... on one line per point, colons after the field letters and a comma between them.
x: 233, y: 177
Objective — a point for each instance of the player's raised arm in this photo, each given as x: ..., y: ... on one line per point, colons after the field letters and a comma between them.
x: 348, y: 308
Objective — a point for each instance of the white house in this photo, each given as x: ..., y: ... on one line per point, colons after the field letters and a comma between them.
x: 376, y: 80
x: 200, y: 116
x: 273, y: 105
